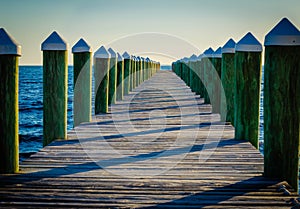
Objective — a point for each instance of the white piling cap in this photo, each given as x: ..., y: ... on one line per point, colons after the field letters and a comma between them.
x: 208, y: 53
x: 8, y: 45
x: 120, y: 57
x: 199, y: 57
x: 283, y: 34
x: 102, y: 53
x: 112, y: 53
x: 138, y: 58
x: 218, y: 53
x: 81, y: 46
x: 126, y: 55
x: 147, y: 59
x: 185, y: 60
x: 54, y: 43
x: 248, y: 44
x: 193, y: 58
x: 229, y: 47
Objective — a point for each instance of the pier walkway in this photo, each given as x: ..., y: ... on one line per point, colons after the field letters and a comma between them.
x: 159, y: 147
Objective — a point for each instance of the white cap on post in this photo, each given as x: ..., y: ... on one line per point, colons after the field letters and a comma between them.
x: 283, y: 34
x: 102, y: 53
x: 8, y: 45
x: 54, y: 43
x: 193, y: 58
x: 81, y: 46
x: 248, y: 44
x: 218, y: 53
x: 229, y: 47
x: 208, y: 53
x: 112, y: 53
x: 126, y: 55
x: 120, y: 57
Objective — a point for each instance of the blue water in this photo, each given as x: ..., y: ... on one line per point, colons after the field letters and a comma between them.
x: 31, y: 108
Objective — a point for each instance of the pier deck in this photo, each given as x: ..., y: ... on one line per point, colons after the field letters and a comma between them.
x: 159, y: 147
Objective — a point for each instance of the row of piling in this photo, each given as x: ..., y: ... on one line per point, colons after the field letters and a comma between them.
x: 230, y: 80
x: 115, y: 75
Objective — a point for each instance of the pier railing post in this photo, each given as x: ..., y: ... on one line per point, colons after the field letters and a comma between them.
x: 133, y: 71
x: 217, y: 63
x: 192, y: 68
x: 282, y: 103
x: 247, y: 88
x: 120, y: 77
x: 227, y: 78
x: 127, y: 70
x: 138, y: 68
x: 55, y: 88
x: 10, y: 51
x: 207, y: 61
x: 101, y: 74
x: 82, y: 101
x: 112, y: 77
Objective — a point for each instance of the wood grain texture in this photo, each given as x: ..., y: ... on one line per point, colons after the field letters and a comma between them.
x: 120, y: 81
x: 113, y: 72
x: 55, y: 90
x: 208, y: 78
x: 127, y: 70
x: 158, y: 148
x: 217, y: 64
x: 282, y: 112
x: 227, y: 77
x: 82, y: 109
x: 9, y: 114
x: 247, y: 96
x: 101, y: 74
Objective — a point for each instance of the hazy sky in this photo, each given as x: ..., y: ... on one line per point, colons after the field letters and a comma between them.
x: 178, y: 27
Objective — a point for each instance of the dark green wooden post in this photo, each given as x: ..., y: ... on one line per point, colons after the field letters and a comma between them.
x: 10, y: 51
x: 192, y: 69
x: 148, y: 68
x: 55, y: 88
x: 101, y: 74
x: 227, y: 77
x: 133, y: 71
x: 247, y: 88
x: 127, y: 70
x: 113, y: 71
x: 208, y: 67
x: 197, y: 79
x: 138, y: 68
x: 217, y: 64
x: 201, y: 76
x: 120, y: 78
x: 82, y: 62
x: 141, y: 70
x: 282, y: 103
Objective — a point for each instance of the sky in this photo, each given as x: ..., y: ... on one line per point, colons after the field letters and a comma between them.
x: 164, y: 30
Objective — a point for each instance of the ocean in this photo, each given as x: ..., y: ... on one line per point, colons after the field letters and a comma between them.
x: 31, y: 109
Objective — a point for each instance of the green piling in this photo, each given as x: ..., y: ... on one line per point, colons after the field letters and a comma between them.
x: 138, y: 69
x: 127, y: 70
x: 120, y: 77
x: 101, y: 75
x: 247, y: 88
x: 82, y: 102
x: 113, y: 71
x: 55, y: 88
x: 216, y: 80
x: 192, y: 69
x: 282, y: 103
x: 208, y: 75
x: 10, y: 51
x: 227, y: 78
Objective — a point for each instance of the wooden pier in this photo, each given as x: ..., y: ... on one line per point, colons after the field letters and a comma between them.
x: 152, y: 150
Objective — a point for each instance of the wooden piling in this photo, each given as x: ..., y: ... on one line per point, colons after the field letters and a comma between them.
x: 120, y: 77
x: 282, y: 103
x: 216, y: 80
x: 133, y: 71
x: 148, y: 68
x: 101, y: 74
x: 82, y: 102
x: 208, y: 67
x: 10, y: 51
x: 138, y: 68
x: 247, y: 88
x: 127, y: 70
x: 113, y: 71
x: 55, y: 88
x: 227, y: 77
x: 192, y: 69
